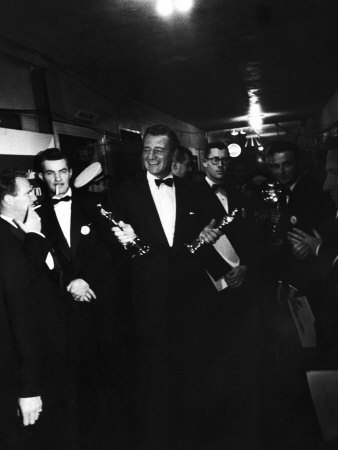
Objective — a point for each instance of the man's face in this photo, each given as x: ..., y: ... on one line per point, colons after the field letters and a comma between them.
x: 283, y: 168
x: 56, y: 174
x: 23, y: 198
x: 216, y: 172
x: 331, y: 180
x: 157, y: 156
x: 182, y: 169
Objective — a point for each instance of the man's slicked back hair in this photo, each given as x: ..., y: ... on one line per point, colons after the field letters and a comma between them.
x: 50, y: 154
x: 219, y: 144
x: 8, y: 181
x: 163, y: 130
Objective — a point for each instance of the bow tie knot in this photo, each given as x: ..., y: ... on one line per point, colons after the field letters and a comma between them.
x: 216, y: 187
x: 66, y: 198
x: 168, y: 182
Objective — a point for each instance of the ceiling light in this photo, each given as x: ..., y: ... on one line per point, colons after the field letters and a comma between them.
x: 183, y: 5
x: 261, y: 148
x: 165, y: 7
x: 234, y: 150
x: 234, y: 132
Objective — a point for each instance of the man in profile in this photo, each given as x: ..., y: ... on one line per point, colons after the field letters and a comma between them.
x: 32, y: 327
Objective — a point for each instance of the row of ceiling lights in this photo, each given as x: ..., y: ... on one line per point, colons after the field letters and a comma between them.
x: 166, y: 8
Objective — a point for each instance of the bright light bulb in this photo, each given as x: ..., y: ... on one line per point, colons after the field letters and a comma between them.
x: 234, y: 132
x: 165, y: 7
x: 234, y: 150
x: 261, y: 148
x: 183, y: 5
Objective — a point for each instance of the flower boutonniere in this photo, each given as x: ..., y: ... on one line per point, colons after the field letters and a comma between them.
x: 85, y: 229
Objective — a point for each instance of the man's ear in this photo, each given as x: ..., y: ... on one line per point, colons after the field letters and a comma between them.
x: 8, y: 200
x: 71, y: 172
x: 40, y: 176
x: 204, y: 162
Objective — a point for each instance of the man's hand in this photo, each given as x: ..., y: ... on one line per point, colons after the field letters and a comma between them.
x: 235, y: 277
x: 80, y: 290
x: 304, y: 244
x: 32, y: 223
x: 30, y: 408
x: 125, y: 233
x: 209, y: 234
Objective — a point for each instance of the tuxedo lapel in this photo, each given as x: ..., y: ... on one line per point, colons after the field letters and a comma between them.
x: 149, y: 211
x: 17, y: 232
x: 50, y: 221
x: 75, y: 227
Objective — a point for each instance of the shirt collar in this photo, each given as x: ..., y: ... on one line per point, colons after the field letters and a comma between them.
x: 152, y: 178
x: 210, y: 183
x: 8, y: 219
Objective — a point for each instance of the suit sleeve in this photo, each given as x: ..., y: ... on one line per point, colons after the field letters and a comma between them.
x: 17, y: 288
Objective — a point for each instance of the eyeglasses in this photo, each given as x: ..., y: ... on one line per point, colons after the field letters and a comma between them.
x: 215, y: 160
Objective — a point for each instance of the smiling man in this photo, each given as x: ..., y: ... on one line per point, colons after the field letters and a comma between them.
x: 170, y: 293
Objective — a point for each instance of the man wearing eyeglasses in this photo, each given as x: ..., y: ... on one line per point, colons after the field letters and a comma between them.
x: 232, y: 353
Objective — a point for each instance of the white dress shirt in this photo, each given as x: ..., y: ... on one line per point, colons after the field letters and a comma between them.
x: 63, y: 213
x: 165, y: 201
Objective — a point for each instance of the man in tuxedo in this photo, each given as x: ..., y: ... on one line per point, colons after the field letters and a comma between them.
x: 233, y: 350
x: 32, y: 320
x: 304, y: 206
x: 75, y: 228
x: 170, y: 294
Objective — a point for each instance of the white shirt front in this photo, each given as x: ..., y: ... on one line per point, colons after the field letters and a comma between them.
x: 63, y: 212
x: 220, y: 194
x: 165, y: 201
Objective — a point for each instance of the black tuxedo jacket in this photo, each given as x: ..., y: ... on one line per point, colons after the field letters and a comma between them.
x: 88, y: 256
x: 308, y: 207
x: 167, y: 278
x: 31, y: 311
x: 240, y: 232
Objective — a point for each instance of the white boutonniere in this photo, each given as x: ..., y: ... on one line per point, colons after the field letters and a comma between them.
x: 85, y: 229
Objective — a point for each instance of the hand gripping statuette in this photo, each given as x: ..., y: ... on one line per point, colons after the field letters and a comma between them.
x: 135, y: 247
x: 194, y: 246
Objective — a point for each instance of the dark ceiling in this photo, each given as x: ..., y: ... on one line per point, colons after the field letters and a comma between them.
x: 198, y: 68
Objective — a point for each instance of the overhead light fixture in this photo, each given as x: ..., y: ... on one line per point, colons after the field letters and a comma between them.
x: 184, y: 5
x: 255, y: 115
x: 234, y: 150
x: 165, y: 7
x: 234, y: 132
x: 242, y: 131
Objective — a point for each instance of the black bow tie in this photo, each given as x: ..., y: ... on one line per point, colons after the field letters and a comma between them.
x: 216, y: 187
x: 168, y: 181
x: 66, y: 198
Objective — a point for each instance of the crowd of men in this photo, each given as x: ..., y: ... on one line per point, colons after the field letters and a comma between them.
x: 192, y: 374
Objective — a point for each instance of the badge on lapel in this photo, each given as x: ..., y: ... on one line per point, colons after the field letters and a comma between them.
x: 293, y: 220
x: 85, y: 229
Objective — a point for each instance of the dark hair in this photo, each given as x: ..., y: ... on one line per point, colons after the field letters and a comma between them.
x: 8, y: 181
x: 281, y: 147
x: 182, y: 153
x: 220, y: 145
x: 163, y: 130
x: 50, y: 154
